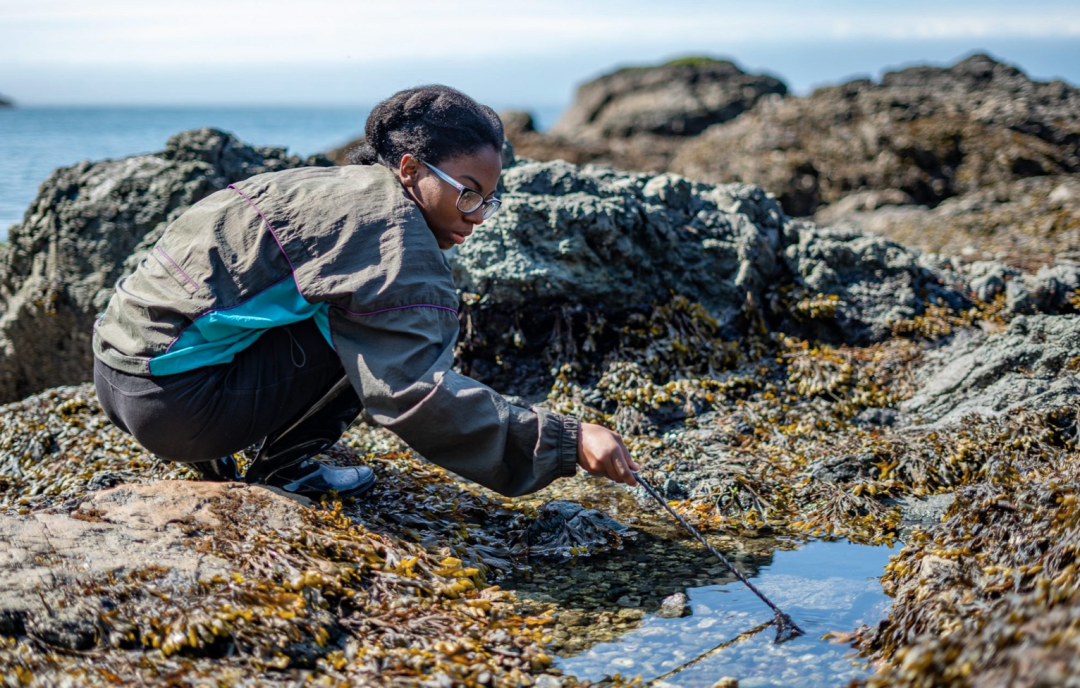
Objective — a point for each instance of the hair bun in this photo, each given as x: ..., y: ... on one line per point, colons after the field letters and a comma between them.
x: 363, y: 154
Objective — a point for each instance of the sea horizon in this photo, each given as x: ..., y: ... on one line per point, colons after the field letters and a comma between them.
x: 37, y: 139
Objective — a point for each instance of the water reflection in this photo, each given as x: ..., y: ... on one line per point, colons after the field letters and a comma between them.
x: 824, y: 586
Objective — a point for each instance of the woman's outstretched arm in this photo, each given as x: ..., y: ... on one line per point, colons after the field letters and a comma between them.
x: 400, y: 362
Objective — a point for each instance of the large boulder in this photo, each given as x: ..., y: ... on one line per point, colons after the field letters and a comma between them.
x: 928, y: 132
x: 679, y: 98
x: 62, y: 260
x: 635, y: 118
x: 615, y: 241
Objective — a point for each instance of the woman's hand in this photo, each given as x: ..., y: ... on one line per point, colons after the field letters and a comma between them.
x: 602, y: 453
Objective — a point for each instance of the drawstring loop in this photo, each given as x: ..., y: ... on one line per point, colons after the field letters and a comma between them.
x: 294, y: 346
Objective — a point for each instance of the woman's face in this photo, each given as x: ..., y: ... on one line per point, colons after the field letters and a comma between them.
x: 437, y: 198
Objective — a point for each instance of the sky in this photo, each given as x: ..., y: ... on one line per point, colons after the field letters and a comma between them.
x: 355, y: 52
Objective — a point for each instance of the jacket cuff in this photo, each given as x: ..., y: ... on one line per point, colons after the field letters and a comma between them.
x: 568, y: 446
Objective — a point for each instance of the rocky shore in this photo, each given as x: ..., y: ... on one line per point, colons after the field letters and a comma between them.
x: 979, y: 138
x: 776, y: 377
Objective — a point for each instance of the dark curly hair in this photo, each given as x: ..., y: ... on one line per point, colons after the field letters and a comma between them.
x: 433, y: 122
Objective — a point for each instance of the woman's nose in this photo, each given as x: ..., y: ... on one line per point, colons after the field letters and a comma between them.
x: 476, y: 217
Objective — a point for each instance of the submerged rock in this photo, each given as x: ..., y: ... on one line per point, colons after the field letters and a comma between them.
x: 674, y: 606
x: 86, y: 228
x: 565, y: 529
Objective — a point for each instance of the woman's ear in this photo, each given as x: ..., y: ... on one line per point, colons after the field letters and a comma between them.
x: 409, y: 170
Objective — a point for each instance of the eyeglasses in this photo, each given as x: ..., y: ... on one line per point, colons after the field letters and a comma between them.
x: 468, y: 200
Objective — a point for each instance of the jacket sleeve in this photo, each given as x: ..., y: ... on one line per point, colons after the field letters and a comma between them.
x: 400, y: 362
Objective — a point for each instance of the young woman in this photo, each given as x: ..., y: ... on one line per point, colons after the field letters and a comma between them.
x: 272, y: 312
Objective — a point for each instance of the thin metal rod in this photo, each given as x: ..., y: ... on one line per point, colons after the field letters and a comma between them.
x: 782, y: 619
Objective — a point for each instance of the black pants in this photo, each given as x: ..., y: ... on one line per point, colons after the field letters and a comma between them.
x: 216, y: 410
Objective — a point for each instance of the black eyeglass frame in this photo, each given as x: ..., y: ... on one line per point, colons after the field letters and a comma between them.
x: 490, y: 205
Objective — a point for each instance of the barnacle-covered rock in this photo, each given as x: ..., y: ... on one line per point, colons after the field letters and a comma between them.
x: 574, y: 242
x: 79, y: 235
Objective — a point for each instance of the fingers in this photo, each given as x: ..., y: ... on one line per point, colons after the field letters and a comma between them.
x: 626, y: 463
x: 604, y: 454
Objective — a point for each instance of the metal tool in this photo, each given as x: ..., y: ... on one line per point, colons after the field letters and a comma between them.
x: 785, y: 627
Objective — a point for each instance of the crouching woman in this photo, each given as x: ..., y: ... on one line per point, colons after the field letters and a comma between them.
x: 272, y: 312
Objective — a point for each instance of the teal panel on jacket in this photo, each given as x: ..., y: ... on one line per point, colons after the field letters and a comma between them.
x: 217, y: 336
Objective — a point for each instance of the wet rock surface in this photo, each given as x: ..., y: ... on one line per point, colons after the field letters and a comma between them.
x: 122, y: 530
x: 225, y: 583
x: 1033, y: 363
x: 90, y: 224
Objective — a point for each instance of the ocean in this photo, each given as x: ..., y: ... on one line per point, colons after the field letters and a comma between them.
x: 36, y: 140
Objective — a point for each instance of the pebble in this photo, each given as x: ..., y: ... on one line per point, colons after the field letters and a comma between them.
x: 674, y: 606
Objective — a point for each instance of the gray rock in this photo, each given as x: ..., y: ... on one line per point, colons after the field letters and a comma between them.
x: 1018, y: 297
x: 674, y: 606
x: 876, y: 417
x: 618, y: 241
x: 843, y: 468
x: 877, y: 282
x: 63, y: 259
x: 923, y: 512
x: 1033, y: 363
x: 680, y: 98
x: 989, y: 280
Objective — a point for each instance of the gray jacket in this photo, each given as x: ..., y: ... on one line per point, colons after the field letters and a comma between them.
x: 357, y: 246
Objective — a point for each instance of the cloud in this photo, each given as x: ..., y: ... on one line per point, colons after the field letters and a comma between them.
x: 245, y: 32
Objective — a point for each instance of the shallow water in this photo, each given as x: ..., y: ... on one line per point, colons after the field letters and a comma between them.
x: 824, y: 586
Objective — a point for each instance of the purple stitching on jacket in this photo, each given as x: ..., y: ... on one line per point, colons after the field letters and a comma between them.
x: 271, y: 230
x: 190, y: 281
x: 185, y: 326
x: 397, y: 308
